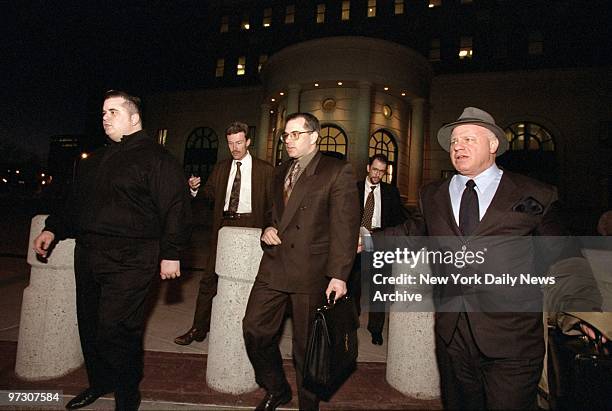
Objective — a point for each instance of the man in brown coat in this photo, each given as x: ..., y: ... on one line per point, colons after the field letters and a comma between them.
x: 240, y: 188
x: 309, y: 247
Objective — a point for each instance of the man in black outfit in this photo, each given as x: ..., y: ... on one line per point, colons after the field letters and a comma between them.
x: 130, y: 215
x: 381, y: 207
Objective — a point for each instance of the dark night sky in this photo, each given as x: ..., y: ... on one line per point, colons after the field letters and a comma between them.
x: 58, y: 58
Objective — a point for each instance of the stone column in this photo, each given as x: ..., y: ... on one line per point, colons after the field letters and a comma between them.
x: 417, y: 134
x: 48, y: 345
x: 362, y: 136
x: 411, y: 360
x: 293, y: 98
x: 262, y: 135
x: 228, y: 367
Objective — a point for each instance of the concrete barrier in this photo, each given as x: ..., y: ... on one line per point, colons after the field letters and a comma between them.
x: 238, y: 254
x: 411, y: 360
x: 48, y: 345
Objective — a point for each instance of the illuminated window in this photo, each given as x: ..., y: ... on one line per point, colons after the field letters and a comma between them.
x: 434, y: 50
x: 245, y: 25
x: 320, y: 13
x: 434, y: 3
x: 529, y: 136
x: 346, y: 10
x: 382, y: 141
x: 224, y: 24
x: 536, y: 43
x: 201, y: 152
x: 290, y: 14
x: 241, y: 66
x: 267, y: 17
x: 162, y: 135
x: 371, y: 8
x: 332, y: 141
x: 465, y: 48
x: 399, y: 7
x: 220, y: 68
x: 262, y: 59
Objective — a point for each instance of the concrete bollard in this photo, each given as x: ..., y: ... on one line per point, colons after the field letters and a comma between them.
x: 411, y: 360
x: 238, y: 254
x: 48, y: 345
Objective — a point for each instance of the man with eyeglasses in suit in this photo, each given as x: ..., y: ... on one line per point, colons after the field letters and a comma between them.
x: 309, y: 246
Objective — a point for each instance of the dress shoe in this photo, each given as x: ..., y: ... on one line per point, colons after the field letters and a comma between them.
x: 271, y: 401
x: 377, y: 338
x: 189, y: 336
x: 84, y: 399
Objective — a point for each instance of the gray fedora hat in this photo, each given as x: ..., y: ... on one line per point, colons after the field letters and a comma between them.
x: 473, y: 115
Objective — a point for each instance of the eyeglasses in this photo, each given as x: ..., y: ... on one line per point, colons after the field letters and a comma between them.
x: 294, y: 135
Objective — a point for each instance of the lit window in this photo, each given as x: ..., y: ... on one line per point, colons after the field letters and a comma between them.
x: 346, y: 10
x: 465, y: 48
x: 220, y: 67
x: 371, y: 8
x: 290, y: 14
x: 382, y: 142
x: 399, y: 7
x: 434, y: 3
x: 536, y: 43
x: 245, y: 25
x: 526, y: 136
x: 224, y: 24
x: 262, y: 59
x: 241, y: 66
x: 320, y: 13
x: 434, y: 50
x: 162, y: 135
x: 267, y: 17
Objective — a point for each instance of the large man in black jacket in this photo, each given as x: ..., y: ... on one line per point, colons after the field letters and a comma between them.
x: 130, y: 215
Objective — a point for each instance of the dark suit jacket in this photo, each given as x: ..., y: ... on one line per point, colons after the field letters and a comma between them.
x: 391, y: 212
x: 215, y: 189
x: 497, y: 334
x: 319, y: 228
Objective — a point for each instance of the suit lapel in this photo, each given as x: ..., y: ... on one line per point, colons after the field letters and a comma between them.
x: 222, y: 189
x: 504, y: 198
x: 299, y: 191
x: 443, y: 203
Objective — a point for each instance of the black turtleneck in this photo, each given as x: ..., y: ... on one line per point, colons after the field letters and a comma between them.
x: 131, y: 189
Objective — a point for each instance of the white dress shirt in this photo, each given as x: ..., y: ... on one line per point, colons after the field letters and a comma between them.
x: 246, y: 167
x: 486, y: 186
x: 376, y: 218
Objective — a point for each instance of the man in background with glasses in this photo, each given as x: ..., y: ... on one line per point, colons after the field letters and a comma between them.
x: 309, y: 246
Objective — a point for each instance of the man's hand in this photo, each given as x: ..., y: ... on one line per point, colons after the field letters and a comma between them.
x: 338, y: 286
x: 270, y: 236
x: 588, y: 331
x: 170, y: 269
x: 194, y: 183
x: 42, y: 242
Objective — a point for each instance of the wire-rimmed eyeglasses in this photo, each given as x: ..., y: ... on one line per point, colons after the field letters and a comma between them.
x: 294, y: 135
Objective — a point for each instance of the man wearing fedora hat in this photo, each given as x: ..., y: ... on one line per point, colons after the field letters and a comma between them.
x: 487, y: 360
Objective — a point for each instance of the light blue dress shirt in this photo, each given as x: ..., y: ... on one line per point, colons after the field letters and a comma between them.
x: 486, y: 186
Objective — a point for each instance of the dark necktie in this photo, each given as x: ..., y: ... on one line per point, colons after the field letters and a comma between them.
x: 235, y: 194
x: 290, y: 180
x: 469, y: 213
x: 368, y: 210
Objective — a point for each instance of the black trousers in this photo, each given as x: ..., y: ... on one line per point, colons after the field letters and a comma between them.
x: 361, y: 275
x: 113, y: 277
x: 262, y: 327
x: 209, y: 279
x: 472, y: 381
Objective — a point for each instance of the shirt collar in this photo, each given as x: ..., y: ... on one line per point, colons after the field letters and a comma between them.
x: 482, y: 180
x: 369, y: 185
x: 245, y: 161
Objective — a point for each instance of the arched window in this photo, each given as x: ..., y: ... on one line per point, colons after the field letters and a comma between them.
x: 529, y: 136
x: 382, y: 141
x: 333, y: 141
x: 201, y: 152
x: 531, y: 152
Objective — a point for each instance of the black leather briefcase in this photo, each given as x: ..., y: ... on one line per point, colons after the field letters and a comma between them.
x: 332, y: 350
x: 579, y: 373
